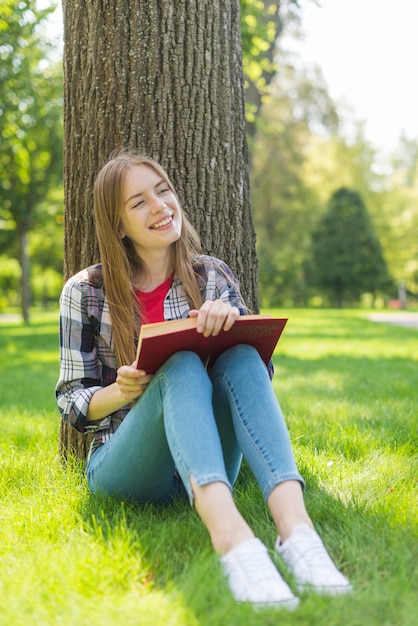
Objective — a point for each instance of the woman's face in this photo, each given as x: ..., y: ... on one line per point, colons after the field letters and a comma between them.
x: 151, y: 216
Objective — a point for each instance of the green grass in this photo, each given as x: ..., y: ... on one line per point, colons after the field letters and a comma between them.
x: 348, y: 388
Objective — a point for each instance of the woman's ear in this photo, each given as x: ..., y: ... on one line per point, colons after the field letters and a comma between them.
x: 121, y: 234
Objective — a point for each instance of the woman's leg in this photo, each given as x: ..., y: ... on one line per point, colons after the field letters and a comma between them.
x: 241, y: 382
x: 170, y: 426
x: 244, y: 398
x: 173, y: 425
x: 216, y: 508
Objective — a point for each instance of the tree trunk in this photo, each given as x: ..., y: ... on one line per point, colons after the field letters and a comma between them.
x: 163, y: 77
x: 25, y: 290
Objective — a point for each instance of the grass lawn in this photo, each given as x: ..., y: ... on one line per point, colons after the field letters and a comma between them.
x: 349, y: 390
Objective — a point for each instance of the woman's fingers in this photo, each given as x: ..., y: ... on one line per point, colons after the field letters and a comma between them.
x: 132, y: 382
x: 214, y: 315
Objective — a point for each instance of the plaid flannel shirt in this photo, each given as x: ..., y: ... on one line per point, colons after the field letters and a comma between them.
x: 87, y: 356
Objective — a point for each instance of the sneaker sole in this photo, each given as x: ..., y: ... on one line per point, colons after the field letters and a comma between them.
x: 325, y: 591
x: 289, y: 605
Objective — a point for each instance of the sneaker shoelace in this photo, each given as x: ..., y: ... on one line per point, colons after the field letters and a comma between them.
x: 256, y: 566
x: 314, y: 554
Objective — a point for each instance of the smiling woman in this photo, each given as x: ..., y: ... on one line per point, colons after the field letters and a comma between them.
x: 129, y: 195
x: 182, y: 432
x: 151, y: 219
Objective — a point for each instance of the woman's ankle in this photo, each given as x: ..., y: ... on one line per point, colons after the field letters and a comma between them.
x: 229, y: 540
x: 288, y: 508
x: 215, y: 506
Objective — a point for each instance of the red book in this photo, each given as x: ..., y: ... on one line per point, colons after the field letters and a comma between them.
x: 157, y: 342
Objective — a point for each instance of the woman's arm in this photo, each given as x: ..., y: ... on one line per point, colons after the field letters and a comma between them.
x: 130, y: 384
x: 90, y: 387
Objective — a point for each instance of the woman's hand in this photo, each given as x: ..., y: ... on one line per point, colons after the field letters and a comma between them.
x: 213, y: 316
x: 131, y: 382
x: 129, y: 385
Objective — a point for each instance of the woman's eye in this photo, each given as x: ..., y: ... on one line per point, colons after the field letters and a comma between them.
x: 138, y: 204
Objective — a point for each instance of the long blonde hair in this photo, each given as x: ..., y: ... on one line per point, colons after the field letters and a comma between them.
x: 119, y: 259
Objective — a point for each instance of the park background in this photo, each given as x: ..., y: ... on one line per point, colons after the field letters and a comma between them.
x: 347, y: 384
x: 304, y: 146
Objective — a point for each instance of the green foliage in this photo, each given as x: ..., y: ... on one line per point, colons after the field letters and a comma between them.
x: 9, y: 281
x: 30, y: 113
x: 390, y: 195
x: 46, y: 286
x: 283, y: 216
x: 346, y: 254
x: 30, y: 123
x: 285, y: 208
x: 399, y: 206
x: 71, y: 558
x: 46, y: 250
x: 261, y: 25
x: 303, y: 151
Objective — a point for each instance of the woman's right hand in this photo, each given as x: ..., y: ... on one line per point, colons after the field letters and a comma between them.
x: 129, y: 385
x: 131, y: 382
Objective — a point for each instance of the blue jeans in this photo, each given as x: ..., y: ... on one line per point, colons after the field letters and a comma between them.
x: 194, y: 423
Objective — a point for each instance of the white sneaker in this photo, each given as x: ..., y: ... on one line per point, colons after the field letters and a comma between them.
x: 309, y: 562
x: 252, y: 576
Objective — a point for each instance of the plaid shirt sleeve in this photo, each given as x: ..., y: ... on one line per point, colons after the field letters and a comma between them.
x: 87, y: 361
x: 217, y: 281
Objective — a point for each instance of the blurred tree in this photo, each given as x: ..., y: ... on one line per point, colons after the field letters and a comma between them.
x: 30, y: 129
x: 338, y: 159
x: 9, y: 281
x: 262, y: 23
x: 46, y: 249
x: 285, y: 207
x: 347, y: 259
x: 390, y: 192
x: 400, y: 207
x: 304, y: 149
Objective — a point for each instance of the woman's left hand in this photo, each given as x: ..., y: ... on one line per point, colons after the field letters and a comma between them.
x: 213, y: 316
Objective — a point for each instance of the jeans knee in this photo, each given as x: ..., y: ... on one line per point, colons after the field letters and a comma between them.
x: 186, y: 366
x: 244, y: 351
x: 185, y: 359
x: 240, y: 357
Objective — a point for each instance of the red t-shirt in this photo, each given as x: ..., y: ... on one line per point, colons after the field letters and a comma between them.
x: 152, y: 302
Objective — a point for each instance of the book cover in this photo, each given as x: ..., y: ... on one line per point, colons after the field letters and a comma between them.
x: 158, y: 341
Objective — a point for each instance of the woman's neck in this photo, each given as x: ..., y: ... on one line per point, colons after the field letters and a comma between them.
x: 153, y: 274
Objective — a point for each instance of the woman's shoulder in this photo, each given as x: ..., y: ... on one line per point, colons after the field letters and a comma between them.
x: 89, y: 276
x: 204, y: 263
x: 83, y: 294
x: 88, y: 281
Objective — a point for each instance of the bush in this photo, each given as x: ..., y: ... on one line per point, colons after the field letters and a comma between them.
x: 10, y: 274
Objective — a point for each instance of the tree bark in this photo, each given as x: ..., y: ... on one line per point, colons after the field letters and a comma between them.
x: 162, y: 77
x: 25, y: 289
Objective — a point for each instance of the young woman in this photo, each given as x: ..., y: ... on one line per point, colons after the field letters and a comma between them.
x: 183, y: 430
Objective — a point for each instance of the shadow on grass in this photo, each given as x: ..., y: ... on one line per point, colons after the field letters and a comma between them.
x: 174, y: 545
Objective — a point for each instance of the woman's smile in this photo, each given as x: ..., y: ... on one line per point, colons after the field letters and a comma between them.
x: 151, y: 216
x: 167, y: 221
